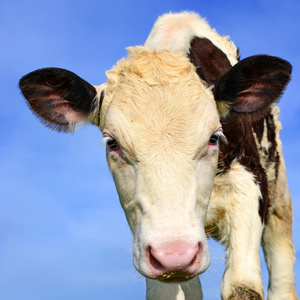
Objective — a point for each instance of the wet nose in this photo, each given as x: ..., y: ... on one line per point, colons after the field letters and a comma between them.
x: 176, y: 256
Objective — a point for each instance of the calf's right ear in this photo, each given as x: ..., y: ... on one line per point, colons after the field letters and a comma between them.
x: 59, y: 98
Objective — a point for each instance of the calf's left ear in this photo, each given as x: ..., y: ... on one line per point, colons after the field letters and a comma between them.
x: 59, y: 97
x: 253, y: 84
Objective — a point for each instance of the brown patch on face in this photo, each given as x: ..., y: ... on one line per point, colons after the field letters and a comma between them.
x: 210, y: 62
x: 241, y: 146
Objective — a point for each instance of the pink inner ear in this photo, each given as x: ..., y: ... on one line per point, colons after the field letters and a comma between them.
x: 70, y: 115
x: 252, y: 99
x: 74, y: 117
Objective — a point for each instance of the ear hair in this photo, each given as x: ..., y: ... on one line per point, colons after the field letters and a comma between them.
x: 59, y: 98
x: 253, y: 84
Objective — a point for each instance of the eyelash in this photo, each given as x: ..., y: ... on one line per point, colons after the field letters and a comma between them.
x: 111, y: 143
x: 216, y: 137
x: 214, y: 141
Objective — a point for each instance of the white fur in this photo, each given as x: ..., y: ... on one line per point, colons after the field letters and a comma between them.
x: 159, y: 150
x: 175, y: 31
x: 240, y: 228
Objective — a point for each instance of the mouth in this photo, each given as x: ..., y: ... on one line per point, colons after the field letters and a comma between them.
x: 174, y: 277
x: 175, y: 264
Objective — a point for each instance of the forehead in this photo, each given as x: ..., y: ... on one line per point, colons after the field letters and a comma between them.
x: 158, y: 95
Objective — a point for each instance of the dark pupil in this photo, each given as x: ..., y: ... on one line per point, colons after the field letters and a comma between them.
x: 213, y: 139
x: 112, y: 144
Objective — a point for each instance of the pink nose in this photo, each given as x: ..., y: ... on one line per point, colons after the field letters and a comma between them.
x: 176, y: 256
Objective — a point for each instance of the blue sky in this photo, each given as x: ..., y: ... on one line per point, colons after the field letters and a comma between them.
x: 63, y: 234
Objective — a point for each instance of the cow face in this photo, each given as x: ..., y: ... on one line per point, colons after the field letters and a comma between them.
x: 160, y: 114
x: 162, y: 126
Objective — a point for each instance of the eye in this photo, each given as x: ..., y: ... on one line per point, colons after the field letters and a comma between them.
x: 113, y: 144
x: 214, y: 139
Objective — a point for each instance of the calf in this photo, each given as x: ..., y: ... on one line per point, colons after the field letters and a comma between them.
x: 192, y: 139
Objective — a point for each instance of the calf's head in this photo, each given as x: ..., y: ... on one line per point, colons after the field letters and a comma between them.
x: 161, y: 125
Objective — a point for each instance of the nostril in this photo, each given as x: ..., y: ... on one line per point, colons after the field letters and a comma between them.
x: 197, y: 257
x: 154, y: 262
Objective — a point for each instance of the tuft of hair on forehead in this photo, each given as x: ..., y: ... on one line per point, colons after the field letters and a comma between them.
x: 150, y: 79
x: 155, y: 67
